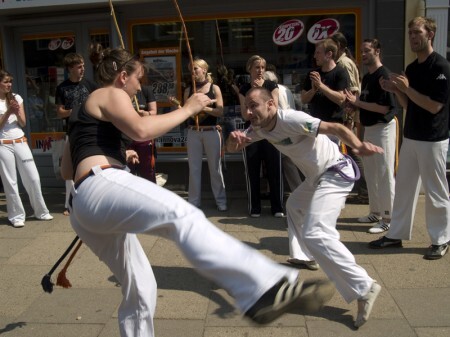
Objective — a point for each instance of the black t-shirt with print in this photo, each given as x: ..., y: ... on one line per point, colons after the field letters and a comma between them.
x: 70, y: 94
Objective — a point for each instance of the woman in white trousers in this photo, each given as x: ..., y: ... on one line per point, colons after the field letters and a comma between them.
x: 15, y: 153
x: 110, y: 206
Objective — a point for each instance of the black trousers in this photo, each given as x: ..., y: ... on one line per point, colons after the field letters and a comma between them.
x: 254, y: 155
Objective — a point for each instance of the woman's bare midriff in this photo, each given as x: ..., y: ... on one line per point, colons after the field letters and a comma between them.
x: 86, y: 164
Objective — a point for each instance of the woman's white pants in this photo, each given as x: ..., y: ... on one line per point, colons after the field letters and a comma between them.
x: 110, y: 207
x: 18, y: 155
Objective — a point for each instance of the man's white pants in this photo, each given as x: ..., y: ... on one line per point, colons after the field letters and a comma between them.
x: 312, y: 212
x: 112, y: 206
x: 379, y: 168
x: 19, y: 154
x: 422, y: 162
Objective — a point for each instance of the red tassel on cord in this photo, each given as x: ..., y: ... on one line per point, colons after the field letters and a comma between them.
x: 62, y: 279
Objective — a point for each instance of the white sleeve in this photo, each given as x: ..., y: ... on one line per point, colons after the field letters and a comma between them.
x: 18, y: 98
x: 300, y: 122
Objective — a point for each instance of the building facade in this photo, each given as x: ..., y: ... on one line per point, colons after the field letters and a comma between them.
x: 36, y: 34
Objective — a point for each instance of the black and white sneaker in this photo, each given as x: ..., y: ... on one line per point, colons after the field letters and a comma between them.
x: 436, y: 252
x: 385, y: 242
x: 369, y: 218
x: 380, y: 227
x: 309, y: 296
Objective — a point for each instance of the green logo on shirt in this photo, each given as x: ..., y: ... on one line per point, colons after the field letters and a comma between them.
x: 308, y: 127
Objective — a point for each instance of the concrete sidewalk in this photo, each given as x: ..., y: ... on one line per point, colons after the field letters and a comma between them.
x: 415, y: 299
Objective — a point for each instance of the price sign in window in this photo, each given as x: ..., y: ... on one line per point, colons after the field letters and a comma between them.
x: 163, y: 66
x: 164, y: 79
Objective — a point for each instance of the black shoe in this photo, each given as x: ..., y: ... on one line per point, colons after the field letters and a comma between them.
x: 285, y: 296
x: 385, y: 242
x: 435, y: 252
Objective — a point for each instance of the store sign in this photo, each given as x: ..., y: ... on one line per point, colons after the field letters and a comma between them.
x: 288, y: 32
x: 322, y: 30
x: 42, y: 142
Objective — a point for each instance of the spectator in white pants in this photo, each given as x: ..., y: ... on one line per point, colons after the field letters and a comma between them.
x: 377, y: 114
x: 423, y: 90
x: 14, y: 150
x: 205, y: 137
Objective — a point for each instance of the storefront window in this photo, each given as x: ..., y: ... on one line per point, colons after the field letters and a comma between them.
x: 286, y: 42
x: 44, y: 69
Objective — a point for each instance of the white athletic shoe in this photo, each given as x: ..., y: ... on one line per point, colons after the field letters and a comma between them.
x: 380, y: 227
x: 278, y: 215
x: 370, y: 218
x: 45, y: 217
x: 365, y: 304
x: 18, y: 224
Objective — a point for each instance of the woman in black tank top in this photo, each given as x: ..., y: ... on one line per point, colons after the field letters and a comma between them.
x: 109, y: 206
x: 206, y: 137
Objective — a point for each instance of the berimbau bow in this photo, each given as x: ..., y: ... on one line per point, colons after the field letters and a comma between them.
x: 188, y: 45
x: 119, y: 35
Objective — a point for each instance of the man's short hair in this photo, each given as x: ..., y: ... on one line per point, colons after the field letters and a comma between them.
x: 428, y: 23
x: 329, y: 45
x: 72, y: 59
x: 264, y: 93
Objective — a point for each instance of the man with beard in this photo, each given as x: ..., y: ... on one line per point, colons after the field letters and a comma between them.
x: 377, y: 111
x: 423, y: 90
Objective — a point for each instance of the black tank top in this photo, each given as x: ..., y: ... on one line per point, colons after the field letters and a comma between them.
x: 89, y: 136
x: 204, y: 118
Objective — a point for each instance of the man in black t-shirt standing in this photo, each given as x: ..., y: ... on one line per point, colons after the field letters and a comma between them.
x: 424, y: 92
x: 324, y: 87
x: 72, y: 92
x: 377, y: 111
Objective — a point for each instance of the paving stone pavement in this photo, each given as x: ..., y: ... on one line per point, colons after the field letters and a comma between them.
x: 415, y: 297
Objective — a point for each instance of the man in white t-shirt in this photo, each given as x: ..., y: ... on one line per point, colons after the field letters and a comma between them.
x: 313, y: 208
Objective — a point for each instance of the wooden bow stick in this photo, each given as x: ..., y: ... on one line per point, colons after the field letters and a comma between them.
x: 119, y: 34
x: 191, y: 59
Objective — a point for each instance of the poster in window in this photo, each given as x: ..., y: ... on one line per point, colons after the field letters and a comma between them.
x: 163, y: 66
x: 164, y: 78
